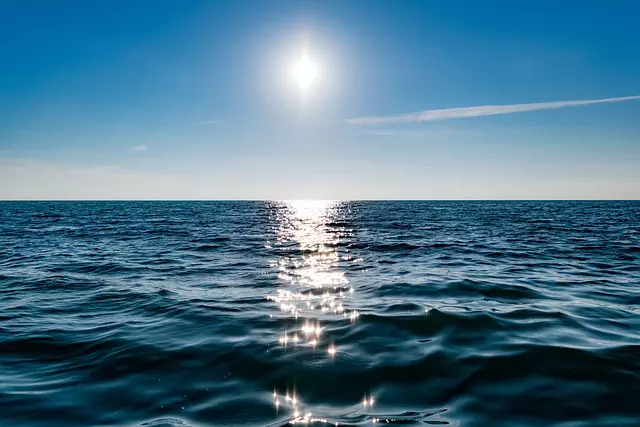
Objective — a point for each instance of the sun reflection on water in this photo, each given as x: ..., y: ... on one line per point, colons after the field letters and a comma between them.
x: 315, y: 290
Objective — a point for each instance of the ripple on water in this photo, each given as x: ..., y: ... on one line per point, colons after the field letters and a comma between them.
x: 325, y: 313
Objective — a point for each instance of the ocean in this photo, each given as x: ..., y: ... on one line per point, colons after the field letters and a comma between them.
x: 458, y: 313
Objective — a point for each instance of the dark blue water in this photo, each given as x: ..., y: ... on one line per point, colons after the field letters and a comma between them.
x: 265, y: 313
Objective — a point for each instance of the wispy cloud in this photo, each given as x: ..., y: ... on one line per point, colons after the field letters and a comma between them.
x: 139, y: 148
x: 415, y: 134
x: 207, y: 122
x: 482, y: 110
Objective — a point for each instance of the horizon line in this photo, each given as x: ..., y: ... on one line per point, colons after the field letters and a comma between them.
x: 320, y: 199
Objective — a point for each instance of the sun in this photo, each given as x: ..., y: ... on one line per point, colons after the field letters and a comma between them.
x: 304, y: 72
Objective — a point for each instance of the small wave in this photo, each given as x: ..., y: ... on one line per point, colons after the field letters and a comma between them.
x: 208, y: 313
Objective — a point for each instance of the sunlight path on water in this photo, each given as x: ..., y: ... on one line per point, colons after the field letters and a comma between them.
x: 314, y: 291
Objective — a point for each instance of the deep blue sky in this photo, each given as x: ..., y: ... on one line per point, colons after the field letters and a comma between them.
x: 194, y: 99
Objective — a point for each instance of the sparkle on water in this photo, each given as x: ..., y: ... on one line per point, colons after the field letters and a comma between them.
x: 313, y: 290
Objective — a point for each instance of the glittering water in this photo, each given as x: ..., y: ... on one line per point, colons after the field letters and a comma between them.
x: 324, y: 313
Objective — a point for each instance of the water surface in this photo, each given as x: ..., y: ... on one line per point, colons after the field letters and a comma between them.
x: 326, y: 313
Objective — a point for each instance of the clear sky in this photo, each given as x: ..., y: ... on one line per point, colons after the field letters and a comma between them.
x: 196, y: 99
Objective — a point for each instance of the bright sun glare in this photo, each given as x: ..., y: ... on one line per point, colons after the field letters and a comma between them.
x: 304, y: 72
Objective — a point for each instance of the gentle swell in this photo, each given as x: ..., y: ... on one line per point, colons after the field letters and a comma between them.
x: 444, y: 313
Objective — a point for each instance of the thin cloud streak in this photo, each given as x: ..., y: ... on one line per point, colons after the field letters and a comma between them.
x: 207, y: 122
x: 432, y: 133
x: 483, y: 110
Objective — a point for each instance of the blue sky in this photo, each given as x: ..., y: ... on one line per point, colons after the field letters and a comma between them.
x: 194, y: 100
